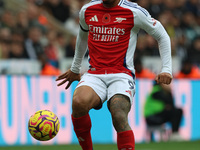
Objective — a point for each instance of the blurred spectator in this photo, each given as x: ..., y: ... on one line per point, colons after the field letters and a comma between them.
x: 159, y: 108
x: 141, y: 46
x: 181, y: 47
x: 151, y: 46
x: 1, y: 4
x: 5, y: 34
x: 72, y: 24
x: 60, y: 9
x: 33, y: 44
x: 141, y: 72
x: 179, y: 8
x: 48, y: 69
x: 61, y: 45
x: 18, y: 35
x: 193, y: 6
x: 51, y: 49
x: 169, y: 5
x: 144, y: 4
x: 70, y: 48
x: 17, y: 50
x: 4, y: 49
x: 77, y: 4
x: 166, y: 18
x: 190, y: 27
x: 5, y: 40
x: 35, y: 17
x: 8, y: 19
x: 155, y: 8
x: 194, y: 51
x: 22, y: 20
x: 188, y: 70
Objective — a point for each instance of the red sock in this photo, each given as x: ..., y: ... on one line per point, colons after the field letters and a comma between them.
x: 82, y: 126
x: 125, y: 140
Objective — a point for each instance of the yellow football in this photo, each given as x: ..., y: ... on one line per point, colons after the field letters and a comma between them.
x: 43, y: 125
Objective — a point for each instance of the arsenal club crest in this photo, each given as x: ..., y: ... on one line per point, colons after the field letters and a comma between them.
x: 106, y: 18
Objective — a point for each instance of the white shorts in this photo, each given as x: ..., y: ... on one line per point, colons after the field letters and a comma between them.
x: 107, y: 85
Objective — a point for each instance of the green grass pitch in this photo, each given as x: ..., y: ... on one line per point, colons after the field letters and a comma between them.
x: 189, y: 145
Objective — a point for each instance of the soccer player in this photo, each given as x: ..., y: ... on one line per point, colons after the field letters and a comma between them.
x: 108, y: 29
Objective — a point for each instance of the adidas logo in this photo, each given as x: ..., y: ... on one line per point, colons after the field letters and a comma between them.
x: 94, y: 19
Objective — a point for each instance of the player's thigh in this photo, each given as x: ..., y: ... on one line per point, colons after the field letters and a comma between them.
x: 119, y: 105
x: 90, y: 90
x: 85, y: 96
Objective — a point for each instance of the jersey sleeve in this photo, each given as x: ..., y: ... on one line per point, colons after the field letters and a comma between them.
x: 143, y: 20
x: 80, y: 50
x: 81, y: 43
x: 82, y: 22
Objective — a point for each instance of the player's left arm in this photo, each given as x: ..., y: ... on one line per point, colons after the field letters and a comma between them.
x: 155, y: 29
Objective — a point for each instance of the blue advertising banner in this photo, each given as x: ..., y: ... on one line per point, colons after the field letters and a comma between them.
x: 22, y: 96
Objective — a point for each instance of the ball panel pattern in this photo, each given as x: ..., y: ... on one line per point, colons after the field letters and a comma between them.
x: 43, y: 125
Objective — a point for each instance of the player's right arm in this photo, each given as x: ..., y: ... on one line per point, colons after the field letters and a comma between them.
x: 81, y: 46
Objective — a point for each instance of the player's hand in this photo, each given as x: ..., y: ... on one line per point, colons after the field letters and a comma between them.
x: 164, y: 78
x: 68, y: 76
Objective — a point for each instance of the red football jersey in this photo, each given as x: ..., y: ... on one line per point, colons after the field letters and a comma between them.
x: 113, y: 34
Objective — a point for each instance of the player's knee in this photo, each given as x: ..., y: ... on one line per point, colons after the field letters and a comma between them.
x: 119, y: 107
x: 120, y: 121
x: 79, y: 104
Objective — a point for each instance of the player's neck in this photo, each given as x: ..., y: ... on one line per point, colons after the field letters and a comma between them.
x: 111, y: 4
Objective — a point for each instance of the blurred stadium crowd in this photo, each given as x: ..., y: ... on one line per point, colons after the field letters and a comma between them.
x: 46, y: 30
